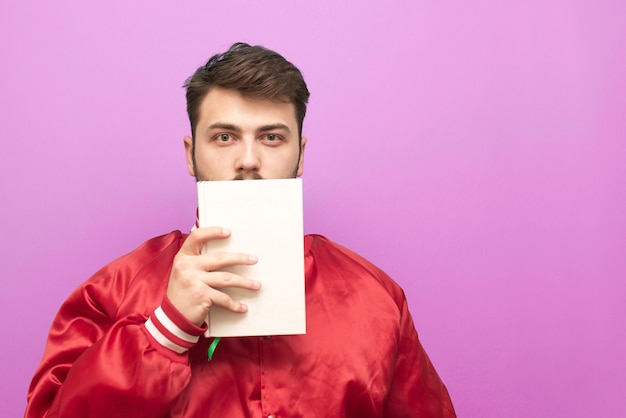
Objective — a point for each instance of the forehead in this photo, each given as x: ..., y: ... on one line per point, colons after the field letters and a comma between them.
x: 230, y: 106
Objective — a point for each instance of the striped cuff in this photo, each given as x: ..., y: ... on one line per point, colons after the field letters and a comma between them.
x: 171, y: 329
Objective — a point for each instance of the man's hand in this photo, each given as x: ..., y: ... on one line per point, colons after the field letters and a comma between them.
x: 195, y: 278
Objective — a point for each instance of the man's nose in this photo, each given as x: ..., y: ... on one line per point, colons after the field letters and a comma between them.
x: 248, y: 159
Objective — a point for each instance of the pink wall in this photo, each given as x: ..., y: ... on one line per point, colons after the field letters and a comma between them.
x: 473, y: 150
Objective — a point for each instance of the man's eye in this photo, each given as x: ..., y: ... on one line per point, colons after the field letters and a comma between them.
x: 223, y: 138
x: 271, y: 137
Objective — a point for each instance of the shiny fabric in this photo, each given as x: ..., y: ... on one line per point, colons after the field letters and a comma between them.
x: 361, y: 356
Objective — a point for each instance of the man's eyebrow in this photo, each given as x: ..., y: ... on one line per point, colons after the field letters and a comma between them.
x: 225, y: 126
x: 274, y: 127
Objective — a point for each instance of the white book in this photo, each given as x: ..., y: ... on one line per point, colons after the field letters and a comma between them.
x: 265, y: 218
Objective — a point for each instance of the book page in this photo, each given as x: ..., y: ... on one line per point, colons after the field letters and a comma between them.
x: 265, y: 219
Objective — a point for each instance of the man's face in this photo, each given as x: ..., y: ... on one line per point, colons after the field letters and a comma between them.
x: 241, y: 138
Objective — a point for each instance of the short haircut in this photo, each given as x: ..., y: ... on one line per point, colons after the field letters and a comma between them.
x: 254, y: 71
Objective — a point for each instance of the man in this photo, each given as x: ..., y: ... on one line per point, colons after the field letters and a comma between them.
x: 128, y: 342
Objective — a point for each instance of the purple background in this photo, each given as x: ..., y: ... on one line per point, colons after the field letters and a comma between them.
x: 473, y: 150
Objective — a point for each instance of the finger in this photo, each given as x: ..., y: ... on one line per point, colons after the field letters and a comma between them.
x: 217, y: 260
x: 199, y: 236
x: 222, y: 300
x: 221, y: 279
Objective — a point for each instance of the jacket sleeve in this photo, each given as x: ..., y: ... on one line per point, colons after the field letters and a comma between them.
x: 97, y: 364
x: 416, y: 389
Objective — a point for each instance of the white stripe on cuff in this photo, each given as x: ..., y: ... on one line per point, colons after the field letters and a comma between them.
x: 162, y: 339
x: 173, y: 328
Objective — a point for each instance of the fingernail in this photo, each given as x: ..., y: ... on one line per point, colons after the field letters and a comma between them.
x: 244, y: 308
x: 225, y: 231
x: 253, y: 258
x: 257, y: 285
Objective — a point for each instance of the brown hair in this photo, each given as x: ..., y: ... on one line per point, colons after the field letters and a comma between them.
x: 253, y: 71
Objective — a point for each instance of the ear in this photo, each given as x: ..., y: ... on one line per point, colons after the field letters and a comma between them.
x: 189, y: 155
x: 301, y: 160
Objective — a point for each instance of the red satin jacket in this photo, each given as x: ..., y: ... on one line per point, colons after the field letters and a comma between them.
x: 360, y: 357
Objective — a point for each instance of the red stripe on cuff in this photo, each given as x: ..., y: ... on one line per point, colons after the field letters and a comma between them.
x: 168, y: 334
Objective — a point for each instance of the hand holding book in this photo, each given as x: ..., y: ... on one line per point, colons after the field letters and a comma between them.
x: 197, y: 278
